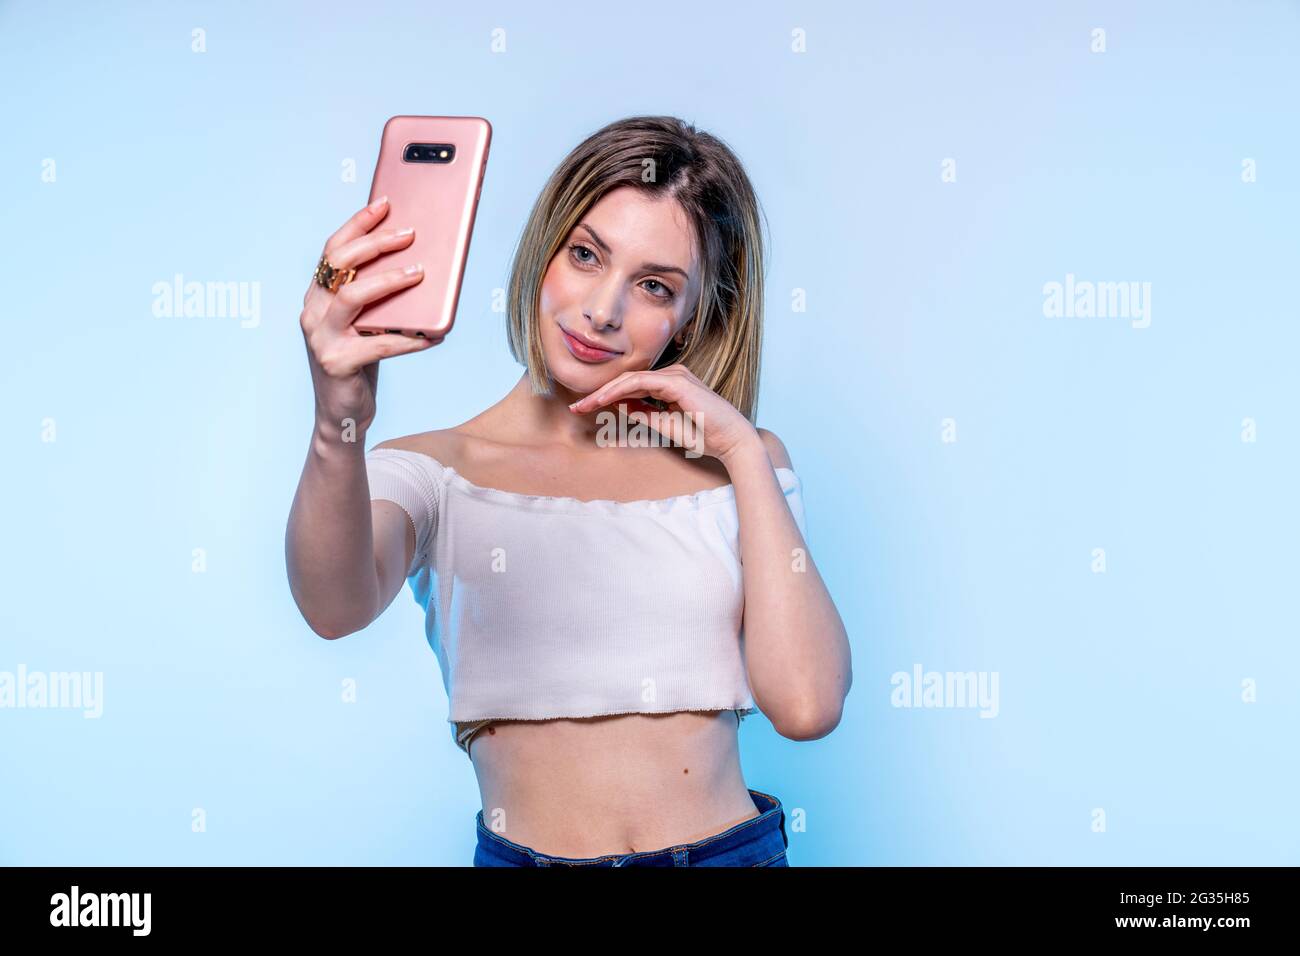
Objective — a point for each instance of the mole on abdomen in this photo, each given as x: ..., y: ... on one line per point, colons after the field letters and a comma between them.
x: 685, y: 770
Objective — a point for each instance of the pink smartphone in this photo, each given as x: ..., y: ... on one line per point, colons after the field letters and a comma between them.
x: 431, y: 170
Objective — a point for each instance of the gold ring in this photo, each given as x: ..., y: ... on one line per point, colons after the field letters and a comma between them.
x: 331, y: 277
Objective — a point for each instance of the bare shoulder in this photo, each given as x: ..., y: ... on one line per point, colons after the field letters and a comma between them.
x: 440, y: 443
x: 775, y: 449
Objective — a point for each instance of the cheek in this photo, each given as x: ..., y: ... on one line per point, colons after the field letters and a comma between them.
x: 556, y: 292
x: 649, y: 332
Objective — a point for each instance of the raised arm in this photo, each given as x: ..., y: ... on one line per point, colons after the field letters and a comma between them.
x: 345, y: 554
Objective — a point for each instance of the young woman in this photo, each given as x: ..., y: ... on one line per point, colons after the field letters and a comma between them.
x: 604, y: 611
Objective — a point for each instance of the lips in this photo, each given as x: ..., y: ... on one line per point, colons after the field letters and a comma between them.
x: 579, y: 349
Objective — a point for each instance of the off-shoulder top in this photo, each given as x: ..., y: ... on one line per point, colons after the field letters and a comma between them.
x: 540, y: 607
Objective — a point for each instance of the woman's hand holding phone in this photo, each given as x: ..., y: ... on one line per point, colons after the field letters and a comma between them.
x: 345, y: 363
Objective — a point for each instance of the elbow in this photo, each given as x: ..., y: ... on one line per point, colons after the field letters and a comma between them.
x: 329, y: 633
x: 305, y: 602
x: 812, y: 723
x: 818, y: 713
x: 333, y: 631
x: 327, y: 630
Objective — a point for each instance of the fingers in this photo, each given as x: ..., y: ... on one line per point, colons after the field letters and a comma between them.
x: 350, y: 299
x: 666, y: 422
x: 348, y: 353
x: 658, y: 384
x: 361, y: 223
x: 361, y: 250
x: 364, y: 248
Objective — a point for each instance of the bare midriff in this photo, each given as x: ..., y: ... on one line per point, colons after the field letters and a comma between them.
x: 619, y: 784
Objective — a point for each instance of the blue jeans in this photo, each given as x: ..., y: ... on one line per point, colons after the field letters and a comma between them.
x: 759, y: 841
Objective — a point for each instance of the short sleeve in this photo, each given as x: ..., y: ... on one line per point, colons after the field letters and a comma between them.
x: 403, y: 478
x: 793, y: 489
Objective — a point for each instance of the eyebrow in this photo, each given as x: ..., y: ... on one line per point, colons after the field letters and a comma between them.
x: 647, y: 266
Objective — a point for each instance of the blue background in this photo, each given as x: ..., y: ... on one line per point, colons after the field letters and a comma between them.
x: 1120, y: 691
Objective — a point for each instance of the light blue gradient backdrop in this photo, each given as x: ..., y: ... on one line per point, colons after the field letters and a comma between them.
x: 1119, y: 691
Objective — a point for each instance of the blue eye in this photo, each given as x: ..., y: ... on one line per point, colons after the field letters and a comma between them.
x: 666, y: 294
x: 579, y: 247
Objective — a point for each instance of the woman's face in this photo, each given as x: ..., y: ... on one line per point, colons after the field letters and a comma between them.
x: 625, y: 280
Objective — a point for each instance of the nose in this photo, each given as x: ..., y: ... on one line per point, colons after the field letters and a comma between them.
x: 603, y: 309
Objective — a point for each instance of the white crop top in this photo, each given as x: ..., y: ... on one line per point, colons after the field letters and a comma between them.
x: 540, y: 607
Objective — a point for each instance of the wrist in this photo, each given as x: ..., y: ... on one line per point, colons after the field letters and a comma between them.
x: 330, y: 441
x: 746, y: 453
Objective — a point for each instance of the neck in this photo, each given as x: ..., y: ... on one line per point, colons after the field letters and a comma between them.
x: 546, y: 419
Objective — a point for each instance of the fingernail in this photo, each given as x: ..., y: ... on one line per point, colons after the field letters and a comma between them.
x: 413, y: 269
x: 405, y: 232
x: 378, y: 204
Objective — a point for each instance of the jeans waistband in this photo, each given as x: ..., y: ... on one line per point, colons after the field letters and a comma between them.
x: 771, y: 815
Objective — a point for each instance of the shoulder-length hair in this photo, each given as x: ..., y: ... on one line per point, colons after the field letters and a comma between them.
x: 666, y: 157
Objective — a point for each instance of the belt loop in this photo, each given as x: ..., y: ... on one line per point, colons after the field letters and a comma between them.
x: 681, y: 857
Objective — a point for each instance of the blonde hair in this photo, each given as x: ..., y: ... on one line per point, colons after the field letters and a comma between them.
x: 665, y: 157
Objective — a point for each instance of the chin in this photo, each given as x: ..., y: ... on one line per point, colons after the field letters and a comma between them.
x: 579, y: 377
